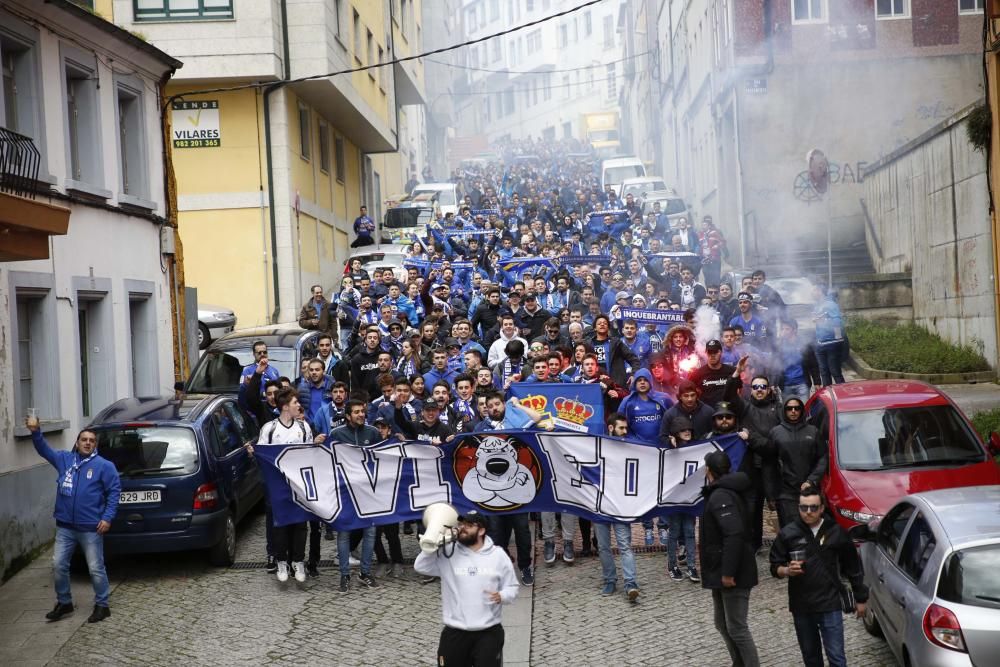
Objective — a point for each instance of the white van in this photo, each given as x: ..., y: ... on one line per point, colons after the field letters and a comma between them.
x: 616, y: 170
x: 444, y: 194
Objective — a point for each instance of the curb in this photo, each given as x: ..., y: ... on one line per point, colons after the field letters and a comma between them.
x: 864, y: 370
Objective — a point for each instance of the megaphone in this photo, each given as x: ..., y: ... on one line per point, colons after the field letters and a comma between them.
x: 440, y: 527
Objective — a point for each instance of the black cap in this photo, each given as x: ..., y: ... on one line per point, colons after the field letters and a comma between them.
x: 475, y: 517
x: 724, y: 408
x: 713, y: 345
x: 381, y: 420
x: 452, y: 342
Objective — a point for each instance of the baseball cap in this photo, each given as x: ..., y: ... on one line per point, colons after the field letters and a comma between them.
x: 530, y: 296
x: 621, y: 295
x: 475, y: 517
x: 381, y: 420
x: 723, y: 408
x: 452, y: 342
x: 713, y: 345
x: 744, y: 296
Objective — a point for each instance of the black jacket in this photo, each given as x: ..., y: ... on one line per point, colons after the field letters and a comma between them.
x: 259, y: 408
x: 364, y: 372
x: 829, y: 554
x: 487, y: 315
x: 716, y: 384
x: 701, y: 419
x: 802, y: 455
x: 533, y: 324
x: 619, y: 353
x: 725, y: 534
x: 758, y: 417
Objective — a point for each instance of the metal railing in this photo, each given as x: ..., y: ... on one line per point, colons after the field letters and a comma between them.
x: 19, y: 161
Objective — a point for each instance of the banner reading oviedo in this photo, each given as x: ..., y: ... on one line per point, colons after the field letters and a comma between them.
x: 596, y: 477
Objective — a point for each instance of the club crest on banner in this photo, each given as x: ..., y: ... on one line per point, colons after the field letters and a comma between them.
x: 497, y: 472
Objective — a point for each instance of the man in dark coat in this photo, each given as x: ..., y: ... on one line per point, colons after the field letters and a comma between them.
x: 802, y: 457
x: 758, y: 415
x: 728, y: 567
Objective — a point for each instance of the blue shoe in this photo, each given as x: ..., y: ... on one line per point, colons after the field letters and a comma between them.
x: 550, y: 552
x: 649, y: 537
x: 527, y: 577
x: 568, y: 555
x: 609, y: 589
x: 693, y: 575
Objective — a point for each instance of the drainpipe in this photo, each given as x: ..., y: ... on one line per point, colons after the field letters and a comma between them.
x: 273, y: 88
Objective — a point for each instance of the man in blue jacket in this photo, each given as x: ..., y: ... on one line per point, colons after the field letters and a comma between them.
x: 87, y: 493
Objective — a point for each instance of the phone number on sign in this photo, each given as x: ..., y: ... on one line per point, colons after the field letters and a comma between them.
x: 197, y: 143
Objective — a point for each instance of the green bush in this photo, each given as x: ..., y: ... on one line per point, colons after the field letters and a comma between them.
x: 908, y: 348
x: 987, y: 422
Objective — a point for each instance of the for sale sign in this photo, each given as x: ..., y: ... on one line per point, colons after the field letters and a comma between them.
x: 195, y: 124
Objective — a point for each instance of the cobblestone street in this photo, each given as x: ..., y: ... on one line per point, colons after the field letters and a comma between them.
x: 170, y: 610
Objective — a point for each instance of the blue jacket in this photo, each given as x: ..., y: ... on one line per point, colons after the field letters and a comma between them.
x: 307, y: 391
x: 96, y: 488
x: 645, y: 416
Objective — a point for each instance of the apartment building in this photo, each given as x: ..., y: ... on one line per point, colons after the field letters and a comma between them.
x: 87, y: 277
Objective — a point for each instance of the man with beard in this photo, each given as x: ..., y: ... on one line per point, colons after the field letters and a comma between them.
x: 802, y: 457
x: 716, y: 380
x: 689, y: 405
x: 476, y: 578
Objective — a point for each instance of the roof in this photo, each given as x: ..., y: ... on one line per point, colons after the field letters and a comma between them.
x: 275, y: 335
x: 387, y: 248
x: 154, y: 408
x: 620, y: 162
x: 967, y: 513
x: 434, y: 186
x: 116, y: 32
x: 875, y: 394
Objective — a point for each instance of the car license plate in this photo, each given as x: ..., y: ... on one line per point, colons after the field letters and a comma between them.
x: 137, y: 497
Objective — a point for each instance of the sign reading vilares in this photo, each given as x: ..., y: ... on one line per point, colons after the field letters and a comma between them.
x: 195, y: 124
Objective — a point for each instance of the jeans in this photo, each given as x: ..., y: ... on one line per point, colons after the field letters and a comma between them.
x: 662, y: 521
x: 549, y: 527
x: 731, y: 607
x: 828, y: 356
x: 623, y: 536
x: 501, y: 526
x: 367, y: 550
x: 680, y: 524
x: 818, y: 631
x: 800, y: 391
x: 92, y: 545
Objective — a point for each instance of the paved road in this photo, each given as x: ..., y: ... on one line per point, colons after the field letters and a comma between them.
x: 177, y: 610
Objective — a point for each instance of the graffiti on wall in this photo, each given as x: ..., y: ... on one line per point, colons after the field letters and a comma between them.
x: 841, y: 173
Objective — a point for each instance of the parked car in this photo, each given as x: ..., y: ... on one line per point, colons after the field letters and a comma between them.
x: 932, y: 569
x: 671, y: 205
x: 213, y: 322
x: 383, y: 256
x: 186, y: 478
x: 892, y: 438
x: 614, y: 171
x: 408, y: 218
x: 218, y: 371
x: 445, y: 195
x: 640, y: 188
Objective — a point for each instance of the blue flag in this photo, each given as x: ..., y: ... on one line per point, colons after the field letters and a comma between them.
x: 597, y: 477
x: 572, y: 406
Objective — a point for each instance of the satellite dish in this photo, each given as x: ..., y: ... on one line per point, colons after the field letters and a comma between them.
x: 819, y: 170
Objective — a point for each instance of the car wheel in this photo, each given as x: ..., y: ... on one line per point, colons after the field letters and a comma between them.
x: 204, y: 337
x: 223, y: 554
x: 871, y: 623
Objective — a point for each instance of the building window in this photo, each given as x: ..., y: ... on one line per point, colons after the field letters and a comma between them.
x: 892, y: 9
x: 182, y: 10
x: 142, y: 341
x: 567, y: 130
x: 339, y: 164
x: 381, y: 70
x: 338, y: 8
x: 533, y: 42
x: 529, y: 5
x: 406, y: 11
x: 808, y: 11
x: 563, y: 39
x: 356, y: 35
x: 131, y: 142
x: 497, y: 50
x: 508, y: 102
x: 565, y: 87
x: 971, y: 6
x: 547, y: 88
x: 324, y: 147
x: 305, y: 136
x: 588, y: 26
x: 494, y: 10
x: 609, y: 32
x: 18, y: 100
x: 96, y: 346
x: 82, y: 122
x: 370, y: 42
x: 612, y: 82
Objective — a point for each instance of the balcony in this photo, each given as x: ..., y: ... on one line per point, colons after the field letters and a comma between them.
x: 25, y: 224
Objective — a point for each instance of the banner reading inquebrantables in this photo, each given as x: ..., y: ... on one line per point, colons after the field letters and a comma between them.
x: 597, y: 477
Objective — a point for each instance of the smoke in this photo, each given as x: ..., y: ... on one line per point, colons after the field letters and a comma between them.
x: 706, y: 327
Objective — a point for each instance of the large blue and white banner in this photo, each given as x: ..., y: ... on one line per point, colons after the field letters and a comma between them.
x: 571, y: 406
x: 596, y: 477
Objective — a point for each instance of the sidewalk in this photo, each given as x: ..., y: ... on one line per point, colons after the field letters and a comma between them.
x: 26, y: 638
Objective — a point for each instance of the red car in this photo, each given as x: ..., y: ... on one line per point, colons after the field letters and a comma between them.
x: 891, y: 438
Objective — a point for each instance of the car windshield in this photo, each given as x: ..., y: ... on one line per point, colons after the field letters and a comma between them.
x: 396, y: 218
x: 444, y: 197
x: 638, y: 188
x: 970, y: 577
x: 905, y: 437
x: 671, y: 206
x: 384, y: 259
x: 218, y: 371
x: 619, y: 174
x: 143, y: 451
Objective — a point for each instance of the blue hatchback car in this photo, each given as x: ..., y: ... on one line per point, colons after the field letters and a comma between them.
x: 186, y: 478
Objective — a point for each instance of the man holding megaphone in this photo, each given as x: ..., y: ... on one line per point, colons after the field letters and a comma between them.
x: 476, y: 578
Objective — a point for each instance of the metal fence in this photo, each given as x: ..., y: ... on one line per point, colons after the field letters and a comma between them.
x: 19, y: 160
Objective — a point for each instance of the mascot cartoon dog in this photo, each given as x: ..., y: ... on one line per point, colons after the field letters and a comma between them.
x: 498, y: 481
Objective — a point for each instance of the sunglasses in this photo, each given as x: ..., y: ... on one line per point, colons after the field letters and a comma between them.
x: 725, y: 417
x: 809, y: 508
x: 758, y: 386
x: 793, y: 408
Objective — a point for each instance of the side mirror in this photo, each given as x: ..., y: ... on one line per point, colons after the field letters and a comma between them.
x: 994, y: 443
x: 861, y: 533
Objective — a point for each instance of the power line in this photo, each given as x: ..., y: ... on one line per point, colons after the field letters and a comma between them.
x: 527, y: 89
x: 535, y: 71
x: 365, y: 68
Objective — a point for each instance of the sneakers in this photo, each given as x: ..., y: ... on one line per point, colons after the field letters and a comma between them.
x: 99, y: 614
x: 345, y: 584
x: 682, y: 556
x: 59, y: 611
x: 649, y: 537
x: 272, y: 565
x: 282, y: 571
x: 676, y: 574
x: 609, y: 589
x: 312, y: 570
x: 527, y: 578
x: 693, y: 575
x: 367, y: 579
x: 351, y: 561
x: 428, y: 580
x: 663, y: 537
x: 550, y: 552
x: 568, y: 555
x: 631, y: 592
x: 300, y: 571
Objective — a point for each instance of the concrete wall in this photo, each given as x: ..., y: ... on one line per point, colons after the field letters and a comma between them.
x: 929, y: 206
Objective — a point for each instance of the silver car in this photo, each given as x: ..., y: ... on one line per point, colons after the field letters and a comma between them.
x: 933, y: 568
x: 213, y: 322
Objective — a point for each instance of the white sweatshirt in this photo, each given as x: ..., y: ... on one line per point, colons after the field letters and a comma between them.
x: 465, y: 579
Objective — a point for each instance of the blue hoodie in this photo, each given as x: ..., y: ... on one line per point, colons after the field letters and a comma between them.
x: 96, y: 488
x: 644, y: 415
